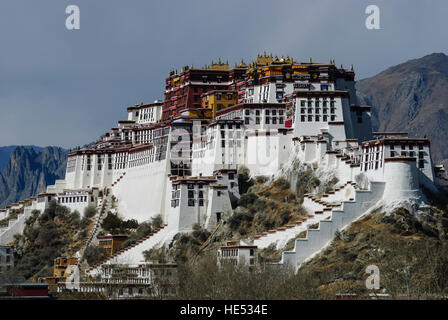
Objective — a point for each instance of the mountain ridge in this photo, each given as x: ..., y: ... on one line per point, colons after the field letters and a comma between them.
x: 411, y: 97
x: 28, y: 172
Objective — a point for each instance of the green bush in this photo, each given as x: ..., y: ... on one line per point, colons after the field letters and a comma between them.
x: 238, y: 218
x: 76, y: 218
x: 244, y: 180
x: 282, y: 183
x: 48, y: 234
x: 43, y: 239
x: 269, y: 223
x: 84, y: 222
x: 82, y: 234
x: 94, y: 255
x: 306, y: 182
x: 200, y: 233
x: 261, y: 179
x: 258, y: 205
x: 144, y: 229
x: 157, y: 221
x: 90, y: 211
x: 247, y: 199
x: 133, y: 238
x: 111, y: 223
x: 285, y: 215
x: 130, y: 224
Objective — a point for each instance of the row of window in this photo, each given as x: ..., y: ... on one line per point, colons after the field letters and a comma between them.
x: 191, y: 202
x: 230, y: 143
x: 230, y: 134
x: 317, y: 118
x: 317, y: 110
x: 74, y: 199
x: 267, y: 120
x: 219, y: 96
x: 267, y: 112
x: 309, y: 103
x: 405, y: 154
x: 409, y: 147
x: 229, y: 126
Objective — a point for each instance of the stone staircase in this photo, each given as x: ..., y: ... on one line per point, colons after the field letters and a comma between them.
x: 15, y: 226
x: 318, y: 210
x: 339, y: 218
x: 133, y: 254
x: 282, y: 235
x: 331, y: 199
x: 102, y: 208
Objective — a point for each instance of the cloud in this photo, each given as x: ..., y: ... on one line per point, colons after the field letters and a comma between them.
x: 60, y: 87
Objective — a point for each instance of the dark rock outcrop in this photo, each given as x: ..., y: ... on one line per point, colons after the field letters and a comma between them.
x: 28, y: 172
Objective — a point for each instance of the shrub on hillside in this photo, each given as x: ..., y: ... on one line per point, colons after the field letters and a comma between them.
x: 306, y: 182
x: 247, y: 199
x: 285, y: 215
x: 84, y: 223
x: 244, y: 180
x: 76, y: 218
x: 94, y: 255
x: 238, y: 220
x: 112, y: 222
x: 200, y: 233
x: 144, y: 229
x: 90, y: 211
x: 261, y: 179
x: 44, y: 238
x: 130, y: 224
x: 157, y: 221
x: 282, y: 183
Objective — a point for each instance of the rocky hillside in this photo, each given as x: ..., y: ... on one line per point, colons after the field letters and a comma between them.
x: 411, y: 97
x: 410, y: 252
x: 5, y: 153
x: 28, y: 172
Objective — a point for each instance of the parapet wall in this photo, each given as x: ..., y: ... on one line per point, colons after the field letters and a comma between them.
x: 141, y: 192
x: 402, y: 179
x: 317, y: 239
x: 15, y: 227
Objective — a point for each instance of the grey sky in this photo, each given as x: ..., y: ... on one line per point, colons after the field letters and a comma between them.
x: 60, y: 87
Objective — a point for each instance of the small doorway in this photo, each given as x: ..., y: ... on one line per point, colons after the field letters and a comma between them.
x: 218, y: 216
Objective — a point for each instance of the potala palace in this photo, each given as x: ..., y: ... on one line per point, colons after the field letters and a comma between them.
x: 179, y: 157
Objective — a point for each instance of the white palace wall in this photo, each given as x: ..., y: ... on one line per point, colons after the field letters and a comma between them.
x: 141, y: 192
x: 402, y: 180
x: 267, y: 151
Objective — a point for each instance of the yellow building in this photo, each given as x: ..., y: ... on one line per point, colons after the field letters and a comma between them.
x: 197, y: 113
x: 62, y: 269
x: 217, y: 100
x: 111, y: 243
x: 61, y: 264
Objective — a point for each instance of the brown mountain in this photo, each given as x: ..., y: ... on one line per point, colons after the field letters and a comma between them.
x: 411, y: 97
